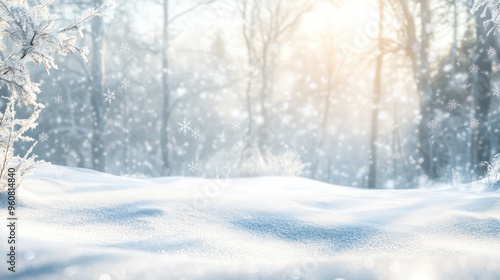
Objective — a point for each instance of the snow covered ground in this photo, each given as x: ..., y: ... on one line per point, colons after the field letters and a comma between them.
x: 80, y: 224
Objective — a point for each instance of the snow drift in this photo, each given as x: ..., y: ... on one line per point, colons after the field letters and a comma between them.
x: 80, y: 224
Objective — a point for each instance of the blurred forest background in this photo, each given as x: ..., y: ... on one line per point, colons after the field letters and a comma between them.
x: 365, y: 93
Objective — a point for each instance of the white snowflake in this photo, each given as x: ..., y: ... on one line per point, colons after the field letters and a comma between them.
x: 43, y: 137
x: 496, y: 92
x: 452, y: 104
x: 416, y: 47
x: 125, y: 84
x: 298, y: 64
x: 111, y: 145
x: 58, y: 99
x: 184, y: 126
x: 235, y: 126
x: 474, y: 69
x: 470, y: 99
x: 474, y: 124
x: 332, y: 130
x: 85, y: 144
x: 491, y: 52
x: 124, y: 48
x: 432, y: 124
x: 195, y: 132
x: 200, y: 147
x: 196, y: 111
x: 111, y: 122
x: 193, y: 166
x: 237, y: 146
x: 109, y: 96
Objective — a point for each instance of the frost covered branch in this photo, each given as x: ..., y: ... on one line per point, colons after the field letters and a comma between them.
x: 32, y: 36
x: 491, y: 6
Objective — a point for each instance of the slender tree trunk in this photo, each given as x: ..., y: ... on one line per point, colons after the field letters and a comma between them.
x: 166, y: 90
x: 97, y: 97
x: 425, y: 92
x: 455, y: 40
x: 263, y: 96
x: 372, y: 172
x: 480, y: 90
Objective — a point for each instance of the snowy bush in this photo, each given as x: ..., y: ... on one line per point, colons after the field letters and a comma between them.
x: 29, y: 34
x: 254, y: 162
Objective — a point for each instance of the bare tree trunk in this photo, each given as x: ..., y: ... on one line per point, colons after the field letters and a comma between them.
x: 264, y: 95
x: 97, y: 98
x: 455, y: 40
x: 372, y: 172
x: 425, y: 92
x: 166, y: 91
x: 480, y: 90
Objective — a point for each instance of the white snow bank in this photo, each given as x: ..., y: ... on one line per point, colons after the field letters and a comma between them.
x: 80, y: 224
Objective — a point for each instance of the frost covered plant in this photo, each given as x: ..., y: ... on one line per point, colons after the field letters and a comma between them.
x: 493, y: 6
x: 31, y: 35
x: 493, y: 174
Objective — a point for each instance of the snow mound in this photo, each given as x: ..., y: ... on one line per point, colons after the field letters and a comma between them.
x: 81, y: 224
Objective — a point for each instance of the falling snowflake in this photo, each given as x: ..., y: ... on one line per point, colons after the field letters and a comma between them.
x: 332, y: 130
x: 195, y: 132
x: 111, y: 145
x: 474, y: 69
x: 157, y: 142
x: 469, y: 144
x: 85, y: 144
x: 466, y: 86
x: 184, y: 126
x: 298, y: 64
x: 58, y: 99
x: 452, y: 104
x: 200, y: 147
x: 235, y: 126
x: 491, y: 52
x: 111, y: 122
x: 474, y: 124
x: 147, y: 145
x: 432, y: 124
x: 196, y: 111
x: 125, y: 84
x: 470, y: 99
x: 109, y: 96
x: 416, y: 47
x: 193, y: 166
x: 124, y: 48
x: 496, y: 92
x: 237, y: 146
x: 43, y: 137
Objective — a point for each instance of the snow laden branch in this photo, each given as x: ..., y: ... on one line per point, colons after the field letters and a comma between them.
x: 32, y: 35
x: 488, y: 8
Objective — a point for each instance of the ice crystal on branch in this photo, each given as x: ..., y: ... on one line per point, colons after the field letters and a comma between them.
x: 31, y: 35
x: 492, y: 6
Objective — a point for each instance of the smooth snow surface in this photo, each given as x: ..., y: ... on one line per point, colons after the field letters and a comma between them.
x: 80, y: 224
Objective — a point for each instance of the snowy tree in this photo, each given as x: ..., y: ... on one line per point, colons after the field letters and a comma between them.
x: 30, y: 34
